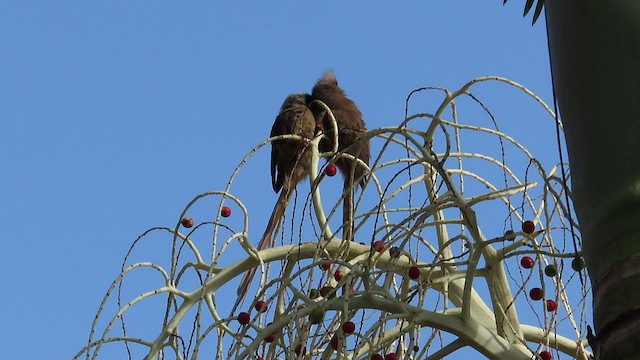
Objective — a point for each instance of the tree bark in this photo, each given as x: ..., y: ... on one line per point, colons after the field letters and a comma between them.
x: 595, y: 57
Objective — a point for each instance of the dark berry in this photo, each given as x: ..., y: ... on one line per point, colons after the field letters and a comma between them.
x: 414, y: 272
x: 348, y: 327
x: 536, y: 294
x: 244, y: 318
x: 551, y: 270
x: 528, y: 227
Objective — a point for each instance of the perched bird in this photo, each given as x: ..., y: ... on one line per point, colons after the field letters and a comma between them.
x: 290, y: 160
x: 351, y: 127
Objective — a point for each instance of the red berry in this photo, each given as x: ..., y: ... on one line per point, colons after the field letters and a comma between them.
x: 270, y: 338
x: 348, y: 327
x: 331, y: 170
x: 376, y: 357
x: 187, y: 222
x: 335, y: 342
x: 545, y: 355
x: 244, y: 318
x: 325, y: 265
x: 379, y: 245
x: 319, y: 128
x: 261, y: 306
x: 226, y: 211
x: 414, y: 272
x: 528, y: 227
x: 338, y: 275
x: 327, y: 291
x: 300, y: 350
x: 551, y: 305
x: 536, y: 294
x: 391, y: 356
x: 526, y: 262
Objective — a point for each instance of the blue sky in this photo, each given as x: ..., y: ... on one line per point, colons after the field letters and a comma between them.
x: 115, y: 114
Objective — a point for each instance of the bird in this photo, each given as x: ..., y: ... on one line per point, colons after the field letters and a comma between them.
x: 351, y: 128
x: 290, y: 161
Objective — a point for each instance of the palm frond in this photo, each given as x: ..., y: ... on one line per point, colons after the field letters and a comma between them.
x: 527, y: 7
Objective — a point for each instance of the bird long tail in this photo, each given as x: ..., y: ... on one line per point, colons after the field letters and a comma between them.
x: 267, y: 238
x: 347, y: 210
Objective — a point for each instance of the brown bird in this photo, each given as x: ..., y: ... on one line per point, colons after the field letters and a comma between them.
x: 290, y: 160
x: 351, y: 127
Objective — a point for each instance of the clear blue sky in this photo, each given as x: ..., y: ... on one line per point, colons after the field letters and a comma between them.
x: 113, y: 115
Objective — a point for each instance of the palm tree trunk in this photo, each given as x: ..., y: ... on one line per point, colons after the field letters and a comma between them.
x: 595, y: 55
